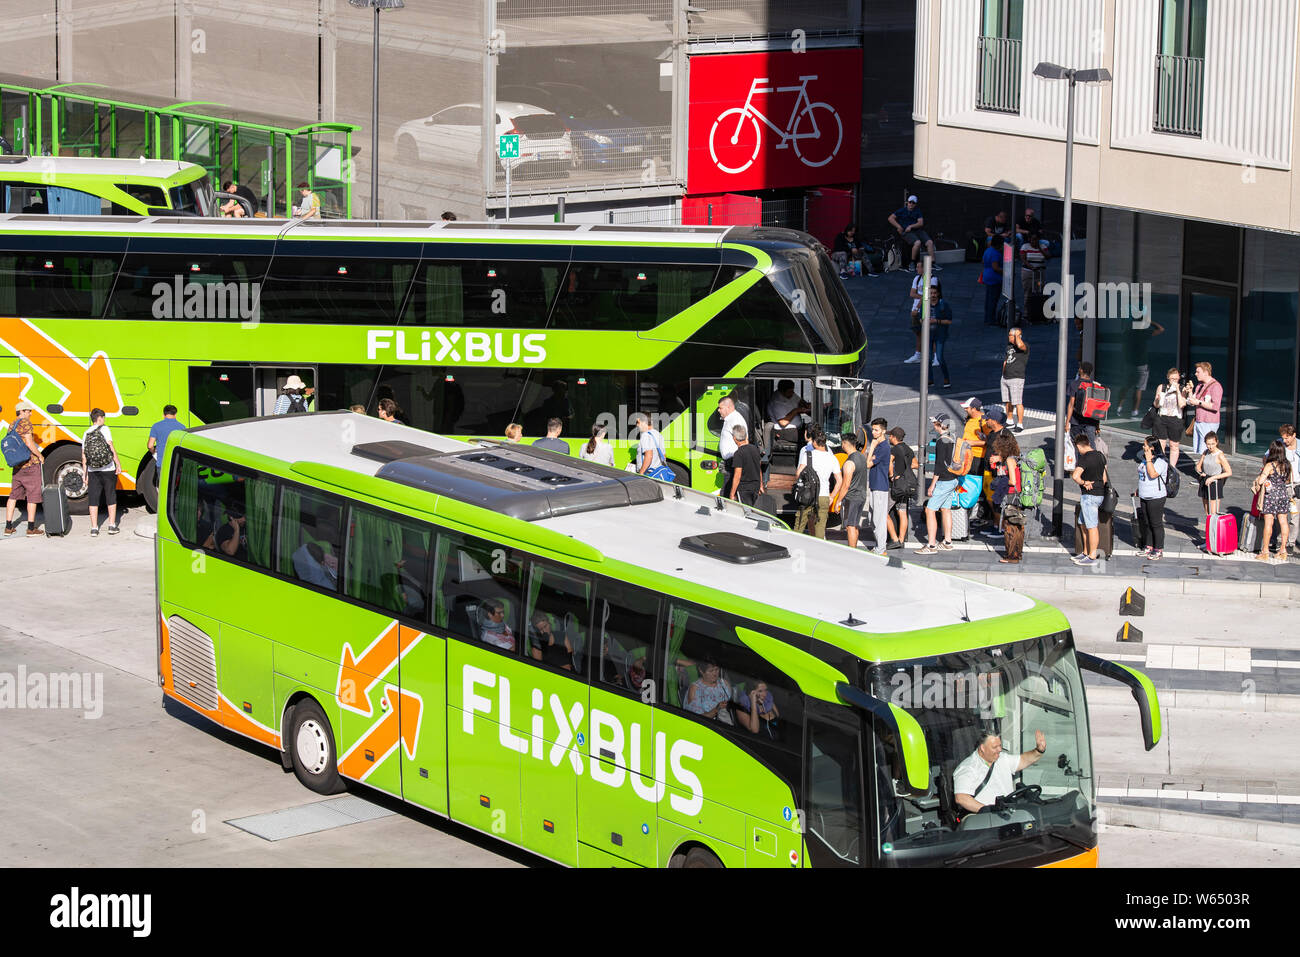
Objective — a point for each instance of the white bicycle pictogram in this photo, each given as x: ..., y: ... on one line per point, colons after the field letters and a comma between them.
x: 802, y: 125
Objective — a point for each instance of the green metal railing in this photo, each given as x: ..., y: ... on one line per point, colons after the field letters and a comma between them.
x: 271, y: 160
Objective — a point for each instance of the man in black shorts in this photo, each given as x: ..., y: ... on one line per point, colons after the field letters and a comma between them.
x: 852, y: 492
x: 746, y: 469
x: 909, y: 221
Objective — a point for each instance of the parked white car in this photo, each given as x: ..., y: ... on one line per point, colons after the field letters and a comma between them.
x: 454, y: 137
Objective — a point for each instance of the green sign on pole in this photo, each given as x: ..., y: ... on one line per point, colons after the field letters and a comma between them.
x: 508, y: 148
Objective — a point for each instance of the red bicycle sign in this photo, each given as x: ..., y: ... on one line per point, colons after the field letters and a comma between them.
x: 813, y: 130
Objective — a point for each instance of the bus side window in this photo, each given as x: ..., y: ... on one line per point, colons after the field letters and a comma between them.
x: 479, y: 594
x: 623, y: 628
x: 558, y: 620
x: 388, y: 562
x: 711, y: 673
x: 309, y: 540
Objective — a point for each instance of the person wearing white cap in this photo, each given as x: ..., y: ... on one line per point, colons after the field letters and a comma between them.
x: 296, y: 396
x: 910, y: 223
x: 26, y: 480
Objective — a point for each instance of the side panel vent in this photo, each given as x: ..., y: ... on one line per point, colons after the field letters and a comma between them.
x: 194, y: 663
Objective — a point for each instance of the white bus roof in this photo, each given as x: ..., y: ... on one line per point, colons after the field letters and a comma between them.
x: 821, y: 580
x: 91, y: 166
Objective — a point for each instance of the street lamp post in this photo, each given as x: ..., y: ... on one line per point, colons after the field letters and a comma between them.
x: 1051, y: 71
x: 376, y: 5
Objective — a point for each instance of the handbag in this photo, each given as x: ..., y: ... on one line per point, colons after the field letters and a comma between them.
x: 1109, y: 497
x: 1149, y: 420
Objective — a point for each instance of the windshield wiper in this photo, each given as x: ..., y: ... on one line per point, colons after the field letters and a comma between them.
x: 1055, y: 832
x: 963, y: 858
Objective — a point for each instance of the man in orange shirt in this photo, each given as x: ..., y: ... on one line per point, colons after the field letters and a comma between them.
x: 973, y: 432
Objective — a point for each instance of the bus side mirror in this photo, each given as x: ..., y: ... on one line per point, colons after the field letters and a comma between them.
x: 1144, y: 692
x: 906, y: 730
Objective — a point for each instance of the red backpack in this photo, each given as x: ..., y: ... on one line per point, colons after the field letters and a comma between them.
x: 1096, y: 400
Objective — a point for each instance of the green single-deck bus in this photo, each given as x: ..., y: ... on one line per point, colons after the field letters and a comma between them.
x: 77, y: 186
x: 469, y: 327
x: 602, y: 668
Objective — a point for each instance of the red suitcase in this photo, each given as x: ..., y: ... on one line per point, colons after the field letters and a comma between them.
x: 1221, y: 534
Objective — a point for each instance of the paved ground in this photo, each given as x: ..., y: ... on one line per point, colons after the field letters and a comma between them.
x: 144, y: 786
x: 974, y: 356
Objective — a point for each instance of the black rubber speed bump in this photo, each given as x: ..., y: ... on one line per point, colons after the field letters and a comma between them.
x: 1132, y: 603
x: 1128, y: 633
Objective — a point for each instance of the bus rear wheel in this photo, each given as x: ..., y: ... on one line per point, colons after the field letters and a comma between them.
x: 63, y: 467
x: 311, y: 743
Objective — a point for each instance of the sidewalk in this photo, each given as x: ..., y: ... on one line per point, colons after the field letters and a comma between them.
x: 974, y: 357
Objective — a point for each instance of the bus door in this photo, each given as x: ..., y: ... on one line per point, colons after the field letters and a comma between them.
x: 843, y: 405
x: 706, y: 426
x: 270, y: 382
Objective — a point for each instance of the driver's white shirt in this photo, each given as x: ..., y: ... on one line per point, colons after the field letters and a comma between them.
x: 971, y: 772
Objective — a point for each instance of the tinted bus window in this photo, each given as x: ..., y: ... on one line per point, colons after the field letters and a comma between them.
x: 388, y: 562
x: 204, y: 286
x: 711, y: 673
x: 221, y: 393
x: 57, y: 285
x: 502, y: 294
x: 628, y: 295
x: 142, y: 193
x: 558, y: 620
x: 624, y: 629
x: 335, y: 290
x: 224, y: 512
x: 479, y: 594
x: 758, y: 319
x: 578, y: 399
x: 308, y: 543
x: 454, y: 400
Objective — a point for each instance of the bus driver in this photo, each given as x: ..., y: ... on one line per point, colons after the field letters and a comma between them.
x: 985, y: 776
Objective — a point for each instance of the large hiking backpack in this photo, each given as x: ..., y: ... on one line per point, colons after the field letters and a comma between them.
x: 1172, y: 480
x: 1033, y: 476
x: 98, y: 454
x: 807, y: 487
x: 963, y: 456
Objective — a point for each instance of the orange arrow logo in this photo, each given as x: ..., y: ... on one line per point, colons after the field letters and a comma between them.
x: 358, y: 675
x: 401, y: 723
x: 84, y: 384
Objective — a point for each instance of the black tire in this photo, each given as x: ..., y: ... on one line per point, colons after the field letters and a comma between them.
x: 63, y: 466
x: 701, y: 857
x: 311, y: 744
x: 680, y: 475
x: 144, y: 484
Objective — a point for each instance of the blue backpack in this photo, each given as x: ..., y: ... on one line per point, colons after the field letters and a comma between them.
x: 968, y: 490
x: 15, y: 450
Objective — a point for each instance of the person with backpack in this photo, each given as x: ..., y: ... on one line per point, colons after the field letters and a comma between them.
x: 1085, y: 411
x: 813, y: 488
x: 25, y: 483
x: 942, y: 487
x: 902, y: 485
x: 1006, y: 484
x: 99, y: 459
x: 1153, y: 493
x: 295, y: 397
x: 650, y: 455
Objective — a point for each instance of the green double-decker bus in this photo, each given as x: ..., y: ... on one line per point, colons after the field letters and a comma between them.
x: 468, y: 327
x: 606, y: 669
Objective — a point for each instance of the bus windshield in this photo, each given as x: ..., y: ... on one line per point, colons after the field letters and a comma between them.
x: 1012, y: 692
x: 196, y: 198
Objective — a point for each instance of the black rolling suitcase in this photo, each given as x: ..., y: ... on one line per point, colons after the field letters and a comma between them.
x: 54, y: 507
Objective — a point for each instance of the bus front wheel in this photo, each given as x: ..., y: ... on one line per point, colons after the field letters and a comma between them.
x: 63, y: 467
x: 694, y: 858
x: 312, y: 745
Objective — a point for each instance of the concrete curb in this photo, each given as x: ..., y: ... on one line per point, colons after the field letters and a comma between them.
x: 1200, y: 700
x: 1207, y: 825
x: 1047, y: 584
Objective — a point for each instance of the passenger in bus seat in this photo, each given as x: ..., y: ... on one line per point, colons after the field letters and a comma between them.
x: 548, y: 647
x: 492, y: 623
x: 710, y: 695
